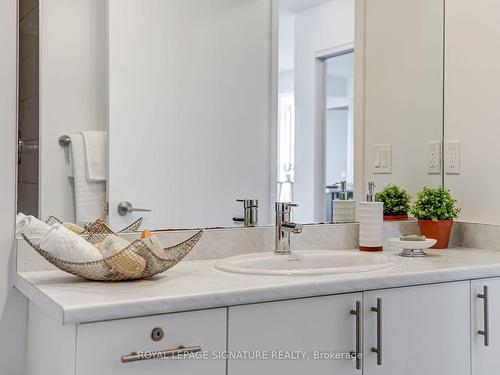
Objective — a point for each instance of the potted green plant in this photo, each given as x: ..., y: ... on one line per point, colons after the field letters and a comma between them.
x: 435, y: 209
x: 396, y: 202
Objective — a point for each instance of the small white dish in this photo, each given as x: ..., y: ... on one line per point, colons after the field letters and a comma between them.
x: 413, y: 249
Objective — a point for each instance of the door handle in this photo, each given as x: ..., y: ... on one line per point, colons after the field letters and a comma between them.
x: 485, y: 332
x: 125, y: 208
x: 357, y: 313
x: 378, y: 348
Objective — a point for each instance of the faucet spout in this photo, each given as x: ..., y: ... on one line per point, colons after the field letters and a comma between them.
x: 251, y: 213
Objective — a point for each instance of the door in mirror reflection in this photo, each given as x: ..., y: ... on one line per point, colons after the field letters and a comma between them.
x: 338, y: 129
x: 189, y: 110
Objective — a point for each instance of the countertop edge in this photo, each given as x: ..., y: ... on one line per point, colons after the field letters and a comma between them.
x: 219, y: 299
x: 36, y: 296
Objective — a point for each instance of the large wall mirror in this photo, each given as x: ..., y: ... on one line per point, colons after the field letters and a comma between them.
x: 184, y: 107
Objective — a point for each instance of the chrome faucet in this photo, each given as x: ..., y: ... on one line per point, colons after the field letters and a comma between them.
x: 284, y: 227
x: 250, y: 216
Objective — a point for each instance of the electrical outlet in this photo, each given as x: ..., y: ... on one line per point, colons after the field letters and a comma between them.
x: 434, y: 157
x: 452, y: 157
x: 383, y: 159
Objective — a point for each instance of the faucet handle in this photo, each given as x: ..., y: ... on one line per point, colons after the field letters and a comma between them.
x: 292, y: 227
x: 247, y: 203
x: 285, y: 206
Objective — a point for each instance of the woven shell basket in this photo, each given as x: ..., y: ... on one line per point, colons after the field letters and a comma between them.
x: 156, y: 261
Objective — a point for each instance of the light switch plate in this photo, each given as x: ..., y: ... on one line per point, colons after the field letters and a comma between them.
x: 452, y: 157
x: 434, y: 157
x: 382, y: 163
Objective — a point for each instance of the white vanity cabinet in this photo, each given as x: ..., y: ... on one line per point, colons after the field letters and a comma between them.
x: 323, y: 324
x: 427, y: 329
x: 418, y: 330
x: 485, y: 310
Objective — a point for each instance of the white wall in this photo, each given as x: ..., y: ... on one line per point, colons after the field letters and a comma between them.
x: 404, y: 87
x: 189, y: 109
x: 319, y: 28
x: 472, y: 110
x: 73, y: 96
x: 13, y: 306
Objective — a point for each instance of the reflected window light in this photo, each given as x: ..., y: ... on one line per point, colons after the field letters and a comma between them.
x: 286, y: 146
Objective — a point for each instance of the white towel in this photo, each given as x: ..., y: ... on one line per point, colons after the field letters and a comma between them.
x: 95, y: 154
x: 111, y: 245
x: 31, y: 226
x: 90, y: 197
x: 69, y: 164
x: 19, y: 217
x: 66, y: 245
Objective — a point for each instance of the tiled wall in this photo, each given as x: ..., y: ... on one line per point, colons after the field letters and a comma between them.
x: 28, y: 106
x: 481, y: 236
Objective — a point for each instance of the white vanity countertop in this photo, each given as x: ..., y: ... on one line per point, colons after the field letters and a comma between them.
x: 193, y: 285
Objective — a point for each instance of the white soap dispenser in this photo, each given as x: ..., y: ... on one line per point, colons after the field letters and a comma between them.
x: 343, y: 208
x: 371, y: 222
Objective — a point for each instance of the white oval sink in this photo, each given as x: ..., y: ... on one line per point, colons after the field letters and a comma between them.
x: 310, y: 262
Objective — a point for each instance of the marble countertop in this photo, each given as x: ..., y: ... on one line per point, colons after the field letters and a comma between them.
x: 193, y: 285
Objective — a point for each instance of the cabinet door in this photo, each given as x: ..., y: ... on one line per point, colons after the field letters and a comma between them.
x: 485, y: 358
x: 422, y: 330
x: 101, y: 346
x: 306, y: 327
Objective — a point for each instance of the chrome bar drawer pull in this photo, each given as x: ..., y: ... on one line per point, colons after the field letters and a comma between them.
x: 357, y: 313
x: 486, y: 316
x: 160, y: 354
x: 378, y: 348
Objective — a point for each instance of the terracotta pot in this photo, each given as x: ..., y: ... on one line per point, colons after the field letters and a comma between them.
x: 395, y: 217
x: 439, y: 230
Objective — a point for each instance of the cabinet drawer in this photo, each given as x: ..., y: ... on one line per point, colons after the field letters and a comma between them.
x: 101, y: 346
